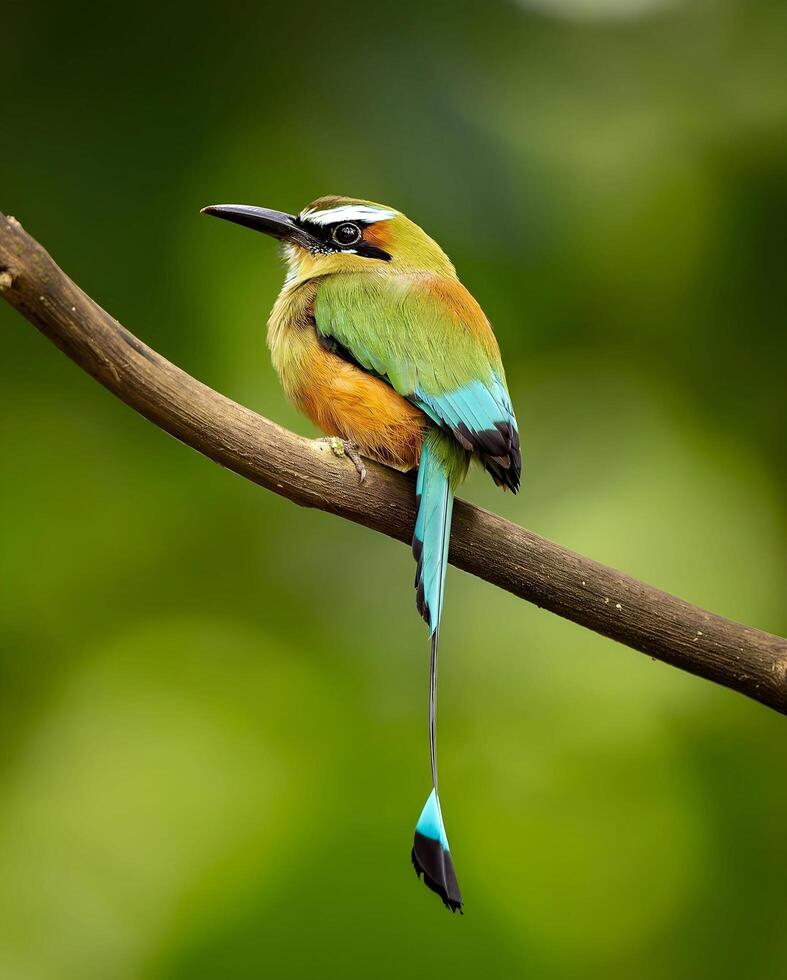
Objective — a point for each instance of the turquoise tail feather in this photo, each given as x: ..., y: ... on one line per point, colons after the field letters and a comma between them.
x: 432, y: 533
x: 431, y: 856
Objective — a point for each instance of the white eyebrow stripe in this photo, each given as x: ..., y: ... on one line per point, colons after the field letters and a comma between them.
x: 347, y: 212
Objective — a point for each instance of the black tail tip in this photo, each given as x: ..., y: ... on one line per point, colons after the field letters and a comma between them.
x: 435, y: 864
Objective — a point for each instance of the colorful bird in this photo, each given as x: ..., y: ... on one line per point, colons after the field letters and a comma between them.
x: 376, y: 340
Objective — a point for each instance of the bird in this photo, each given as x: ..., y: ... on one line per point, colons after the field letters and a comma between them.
x: 376, y: 340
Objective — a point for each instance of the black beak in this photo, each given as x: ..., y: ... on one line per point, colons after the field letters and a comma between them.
x: 277, y: 224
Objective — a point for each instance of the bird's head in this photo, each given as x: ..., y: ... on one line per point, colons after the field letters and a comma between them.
x: 342, y: 234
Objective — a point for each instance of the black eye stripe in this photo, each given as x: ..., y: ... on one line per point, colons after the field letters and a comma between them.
x: 323, y: 234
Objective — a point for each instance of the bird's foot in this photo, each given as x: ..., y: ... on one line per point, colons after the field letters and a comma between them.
x: 343, y: 447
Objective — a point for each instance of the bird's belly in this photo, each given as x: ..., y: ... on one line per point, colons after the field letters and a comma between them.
x: 343, y: 400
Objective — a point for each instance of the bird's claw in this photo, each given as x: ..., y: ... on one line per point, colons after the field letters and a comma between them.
x: 340, y: 447
x: 355, y: 458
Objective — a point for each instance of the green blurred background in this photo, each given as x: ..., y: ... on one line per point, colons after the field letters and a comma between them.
x: 213, y: 742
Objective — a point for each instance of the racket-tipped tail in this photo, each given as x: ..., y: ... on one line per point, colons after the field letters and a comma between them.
x: 432, y: 857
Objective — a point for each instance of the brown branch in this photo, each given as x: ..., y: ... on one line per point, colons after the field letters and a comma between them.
x: 584, y: 591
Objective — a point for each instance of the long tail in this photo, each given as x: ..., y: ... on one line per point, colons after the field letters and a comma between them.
x: 439, y: 471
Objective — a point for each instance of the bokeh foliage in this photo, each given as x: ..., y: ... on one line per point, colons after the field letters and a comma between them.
x: 213, y: 742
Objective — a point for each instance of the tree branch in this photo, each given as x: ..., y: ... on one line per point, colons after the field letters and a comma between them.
x: 577, y: 588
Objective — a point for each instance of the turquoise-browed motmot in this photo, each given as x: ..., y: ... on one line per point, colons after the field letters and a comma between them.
x: 375, y: 339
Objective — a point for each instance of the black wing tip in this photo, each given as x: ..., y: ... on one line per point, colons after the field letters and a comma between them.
x: 506, y: 472
x: 499, y: 449
x: 513, y: 470
x: 437, y: 869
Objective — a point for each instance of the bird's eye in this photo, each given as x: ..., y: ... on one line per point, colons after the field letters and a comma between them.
x: 346, y: 234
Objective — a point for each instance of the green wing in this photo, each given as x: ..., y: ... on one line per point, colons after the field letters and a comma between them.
x: 428, y: 339
x: 409, y: 328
